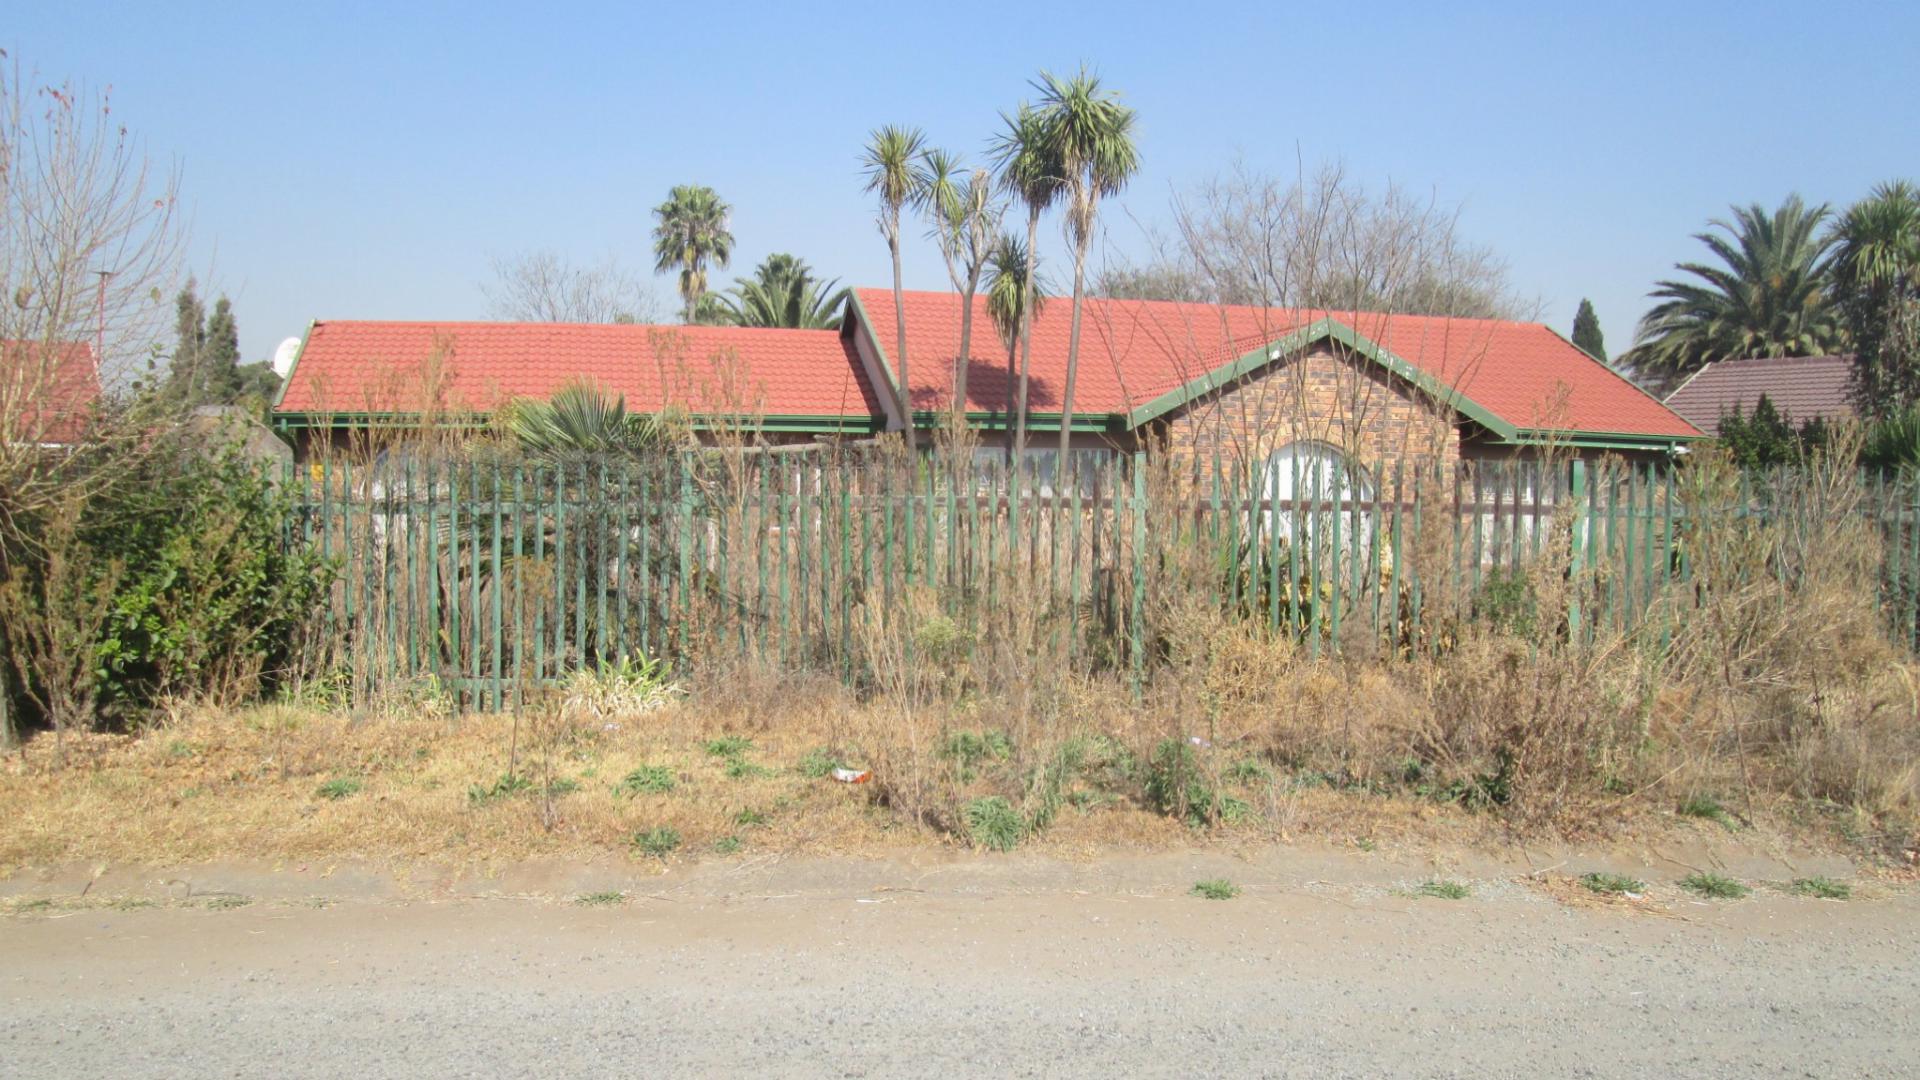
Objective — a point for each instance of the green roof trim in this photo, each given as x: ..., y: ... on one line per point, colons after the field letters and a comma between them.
x: 894, y: 390
x: 281, y: 394
x: 1314, y: 333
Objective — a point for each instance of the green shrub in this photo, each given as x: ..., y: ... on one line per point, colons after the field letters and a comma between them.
x: 646, y: 780
x: 1176, y: 787
x: 1708, y: 808
x: 1506, y: 602
x: 818, y: 763
x: 729, y: 746
x: 993, y: 823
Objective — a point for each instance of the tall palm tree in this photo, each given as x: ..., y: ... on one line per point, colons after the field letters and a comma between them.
x: 1876, y: 281
x: 1030, y: 170
x: 1092, y: 137
x: 965, y: 218
x: 890, y: 162
x: 782, y: 292
x: 1008, y: 270
x: 1767, y: 297
x: 691, y: 233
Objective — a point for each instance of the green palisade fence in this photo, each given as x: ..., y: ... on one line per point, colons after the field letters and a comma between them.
x: 493, y: 578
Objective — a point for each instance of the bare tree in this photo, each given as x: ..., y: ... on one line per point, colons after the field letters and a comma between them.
x: 541, y: 286
x: 89, y: 259
x: 1319, y: 241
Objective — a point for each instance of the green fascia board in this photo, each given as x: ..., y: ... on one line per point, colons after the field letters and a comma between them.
x: 1611, y: 440
x: 281, y: 394
x: 1321, y: 330
x: 865, y: 324
x: 1096, y: 422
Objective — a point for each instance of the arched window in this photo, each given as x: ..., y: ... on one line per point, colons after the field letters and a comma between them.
x: 1310, y: 483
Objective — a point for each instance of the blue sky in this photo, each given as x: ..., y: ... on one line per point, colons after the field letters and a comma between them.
x: 366, y: 161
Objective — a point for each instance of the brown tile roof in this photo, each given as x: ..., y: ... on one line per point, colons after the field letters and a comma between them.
x: 1802, y: 387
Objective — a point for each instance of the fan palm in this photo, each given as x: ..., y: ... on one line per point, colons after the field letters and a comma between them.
x: 583, y: 420
x: 965, y: 218
x: 891, y: 164
x: 781, y: 293
x: 691, y: 233
x: 1030, y: 170
x: 1092, y: 138
x: 1767, y: 297
x: 1876, y: 272
x: 1008, y: 296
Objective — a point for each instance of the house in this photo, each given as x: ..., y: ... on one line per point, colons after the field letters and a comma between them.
x: 1246, y: 382
x: 47, y: 392
x: 1801, y: 387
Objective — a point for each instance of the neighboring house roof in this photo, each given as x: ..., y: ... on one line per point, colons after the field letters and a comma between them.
x: 1141, y: 358
x: 1801, y: 387
x: 798, y: 379
x: 47, y: 396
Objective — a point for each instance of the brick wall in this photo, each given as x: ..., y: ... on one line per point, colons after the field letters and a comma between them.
x: 1322, y: 395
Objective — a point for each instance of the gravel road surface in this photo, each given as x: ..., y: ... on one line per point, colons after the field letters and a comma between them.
x: 878, y: 970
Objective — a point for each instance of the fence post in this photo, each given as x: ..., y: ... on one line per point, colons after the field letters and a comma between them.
x: 1139, y: 569
x: 1577, y: 496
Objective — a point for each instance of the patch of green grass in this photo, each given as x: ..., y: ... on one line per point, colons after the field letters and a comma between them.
x: 1441, y: 889
x: 562, y: 785
x: 1612, y: 884
x: 739, y: 768
x: 600, y: 899
x: 1714, y: 886
x: 726, y: 845
x: 339, y: 787
x: 749, y: 817
x: 993, y: 823
x: 1821, y: 888
x: 130, y: 903
x: 657, y: 842
x: 818, y: 763
x: 226, y: 903
x: 1366, y: 843
x: 1708, y: 808
x: 508, y: 784
x: 647, y: 780
x: 1249, y: 771
x: 40, y: 904
x: 180, y: 748
x: 968, y: 747
x: 728, y: 746
x: 1215, y: 889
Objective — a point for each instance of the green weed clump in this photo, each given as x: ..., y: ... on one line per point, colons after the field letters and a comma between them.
x: 1215, y: 889
x: 339, y: 787
x: 658, y: 842
x: 646, y: 780
x: 1714, y: 886
x: 1822, y: 888
x: 508, y: 784
x: 1443, y: 890
x: 1708, y: 808
x: 993, y: 823
x: 1612, y: 884
x: 600, y: 899
x: 728, y: 746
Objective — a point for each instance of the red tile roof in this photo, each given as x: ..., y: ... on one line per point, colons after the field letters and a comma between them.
x: 380, y: 367
x: 1133, y: 351
x: 47, y: 400
x: 1802, y: 387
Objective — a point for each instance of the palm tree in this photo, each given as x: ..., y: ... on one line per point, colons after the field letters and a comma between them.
x: 890, y: 165
x: 691, y: 233
x: 1768, y: 296
x: 1031, y: 172
x: 1007, y: 296
x: 1092, y: 137
x: 781, y: 293
x: 583, y: 419
x: 965, y: 218
x: 1876, y: 282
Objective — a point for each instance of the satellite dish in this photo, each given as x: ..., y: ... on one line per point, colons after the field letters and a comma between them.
x: 284, y: 355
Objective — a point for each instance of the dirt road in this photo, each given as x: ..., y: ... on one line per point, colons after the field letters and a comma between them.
x: 1320, y: 968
